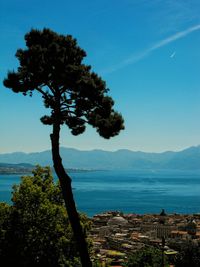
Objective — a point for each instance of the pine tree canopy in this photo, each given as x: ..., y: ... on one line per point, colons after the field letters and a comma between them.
x: 52, y: 64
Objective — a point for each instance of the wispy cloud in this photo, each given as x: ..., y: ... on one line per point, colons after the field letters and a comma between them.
x: 137, y: 57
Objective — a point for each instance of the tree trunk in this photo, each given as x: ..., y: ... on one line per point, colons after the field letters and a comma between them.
x: 65, y: 182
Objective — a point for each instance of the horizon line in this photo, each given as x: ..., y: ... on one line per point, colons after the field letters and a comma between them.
x: 99, y: 149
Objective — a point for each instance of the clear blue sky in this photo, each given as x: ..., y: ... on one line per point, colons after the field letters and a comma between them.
x: 147, y: 51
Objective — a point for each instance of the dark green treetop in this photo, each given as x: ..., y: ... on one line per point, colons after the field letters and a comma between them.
x: 146, y: 257
x: 53, y: 65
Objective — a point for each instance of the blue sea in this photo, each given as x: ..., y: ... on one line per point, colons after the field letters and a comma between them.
x: 128, y: 191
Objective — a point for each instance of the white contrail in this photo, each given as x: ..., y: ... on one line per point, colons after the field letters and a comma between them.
x: 175, y: 37
x: 135, y: 58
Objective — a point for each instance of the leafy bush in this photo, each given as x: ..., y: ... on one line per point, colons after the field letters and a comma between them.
x: 189, y: 255
x: 35, y: 230
x: 146, y: 257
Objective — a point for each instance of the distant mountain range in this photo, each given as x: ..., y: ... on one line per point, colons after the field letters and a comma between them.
x: 188, y: 159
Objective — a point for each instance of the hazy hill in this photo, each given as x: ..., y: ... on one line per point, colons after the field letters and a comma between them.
x: 21, y: 168
x: 188, y: 159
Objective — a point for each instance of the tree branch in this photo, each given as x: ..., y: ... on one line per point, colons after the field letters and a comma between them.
x: 51, y: 88
x: 42, y: 92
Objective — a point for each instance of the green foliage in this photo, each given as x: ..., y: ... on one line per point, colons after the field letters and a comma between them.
x: 146, y: 257
x: 35, y: 230
x: 99, y: 263
x: 53, y: 65
x: 189, y: 255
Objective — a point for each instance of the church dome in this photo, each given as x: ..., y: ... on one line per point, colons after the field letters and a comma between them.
x: 117, y: 220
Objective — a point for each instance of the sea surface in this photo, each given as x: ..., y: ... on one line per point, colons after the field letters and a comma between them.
x: 128, y: 191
